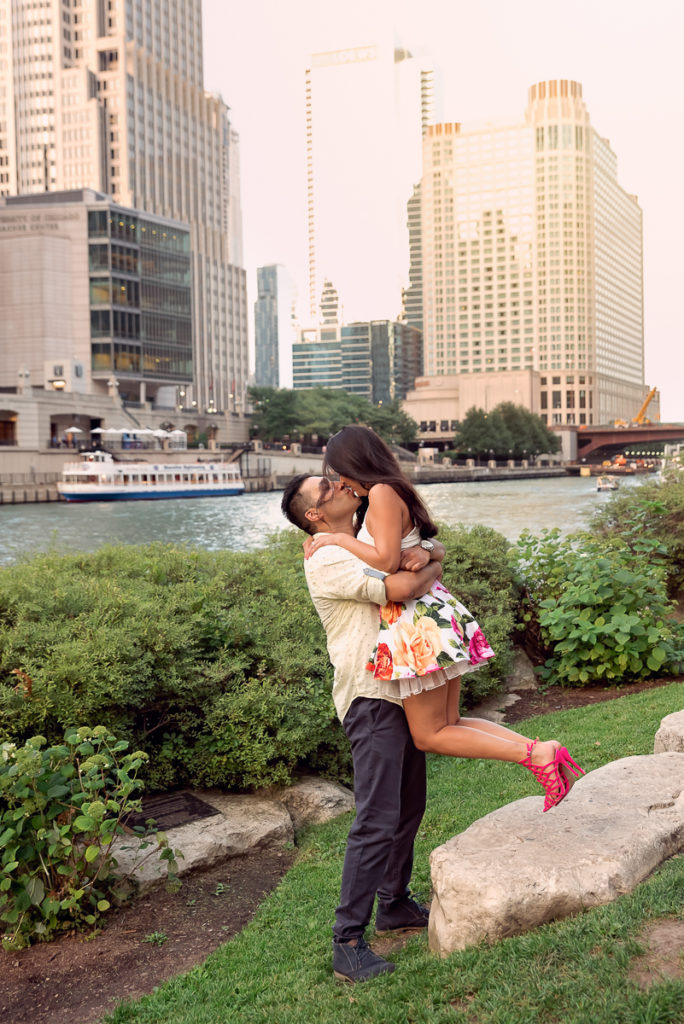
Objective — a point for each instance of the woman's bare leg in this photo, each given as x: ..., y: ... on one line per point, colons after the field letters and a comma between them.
x: 453, y: 715
x: 453, y: 688
x: 427, y: 716
x: 484, y: 725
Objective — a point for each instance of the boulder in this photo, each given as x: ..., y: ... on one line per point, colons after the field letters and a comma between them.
x: 311, y: 801
x: 244, y: 824
x: 670, y: 735
x: 517, y: 868
x: 522, y: 675
x: 493, y: 708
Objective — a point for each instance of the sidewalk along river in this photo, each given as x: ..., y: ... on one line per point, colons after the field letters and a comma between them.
x: 244, y: 522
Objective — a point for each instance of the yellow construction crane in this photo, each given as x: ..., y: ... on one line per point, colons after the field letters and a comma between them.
x: 640, y: 420
x: 640, y: 417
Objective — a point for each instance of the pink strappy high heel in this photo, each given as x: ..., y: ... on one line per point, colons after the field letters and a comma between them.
x: 568, y: 768
x: 557, y: 777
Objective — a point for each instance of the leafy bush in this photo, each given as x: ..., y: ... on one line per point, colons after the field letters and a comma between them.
x: 61, y: 808
x: 649, y: 519
x: 214, y: 663
x: 164, y: 645
x: 596, y: 612
x: 477, y: 571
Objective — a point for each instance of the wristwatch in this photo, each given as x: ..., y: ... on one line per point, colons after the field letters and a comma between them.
x: 427, y: 545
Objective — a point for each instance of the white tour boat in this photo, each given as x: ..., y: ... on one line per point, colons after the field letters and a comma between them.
x: 100, y: 478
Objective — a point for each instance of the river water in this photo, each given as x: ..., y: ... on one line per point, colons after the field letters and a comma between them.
x: 241, y: 523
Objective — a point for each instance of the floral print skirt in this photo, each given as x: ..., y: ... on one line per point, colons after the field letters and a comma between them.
x: 425, y: 642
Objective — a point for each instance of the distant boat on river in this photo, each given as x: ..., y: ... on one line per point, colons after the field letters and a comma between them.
x: 100, y: 478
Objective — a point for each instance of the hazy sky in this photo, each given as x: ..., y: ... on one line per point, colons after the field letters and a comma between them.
x: 627, y: 56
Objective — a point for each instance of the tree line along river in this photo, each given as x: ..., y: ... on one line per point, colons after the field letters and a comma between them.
x: 244, y: 522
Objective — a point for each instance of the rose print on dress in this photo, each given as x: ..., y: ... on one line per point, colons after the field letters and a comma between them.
x: 382, y: 669
x: 390, y: 612
x: 418, y: 637
x: 417, y: 646
x: 478, y: 649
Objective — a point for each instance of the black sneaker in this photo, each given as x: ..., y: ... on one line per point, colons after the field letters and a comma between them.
x: 403, y: 915
x: 359, y: 962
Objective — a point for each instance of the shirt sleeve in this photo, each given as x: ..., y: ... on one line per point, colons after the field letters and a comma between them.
x: 336, y: 574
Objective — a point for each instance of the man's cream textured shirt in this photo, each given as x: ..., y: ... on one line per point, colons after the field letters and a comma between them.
x: 347, y: 602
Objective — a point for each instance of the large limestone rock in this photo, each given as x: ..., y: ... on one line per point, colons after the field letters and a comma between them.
x: 670, y: 735
x: 244, y: 824
x: 522, y: 676
x: 517, y: 868
x: 312, y: 801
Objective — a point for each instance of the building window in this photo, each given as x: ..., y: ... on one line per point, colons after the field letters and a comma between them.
x: 555, y: 400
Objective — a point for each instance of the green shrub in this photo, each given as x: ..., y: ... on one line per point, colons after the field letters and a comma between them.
x: 649, y: 519
x: 61, y: 808
x: 598, y: 614
x: 161, y: 644
x: 477, y: 571
x: 214, y: 663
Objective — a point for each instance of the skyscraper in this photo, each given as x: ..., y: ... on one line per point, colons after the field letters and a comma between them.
x: 532, y: 259
x: 108, y: 95
x: 378, y: 359
x: 366, y: 109
x: 412, y: 297
x: 274, y: 327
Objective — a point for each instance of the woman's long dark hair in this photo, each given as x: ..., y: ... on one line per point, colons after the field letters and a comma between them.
x: 358, y: 452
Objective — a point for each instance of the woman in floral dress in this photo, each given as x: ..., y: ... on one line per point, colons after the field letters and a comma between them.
x: 426, y: 645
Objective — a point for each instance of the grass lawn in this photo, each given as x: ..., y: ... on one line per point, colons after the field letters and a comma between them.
x: 278, y: 970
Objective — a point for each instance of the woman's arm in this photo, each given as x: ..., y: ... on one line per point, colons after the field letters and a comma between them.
x: 387, y: 510
x: 366, y: 552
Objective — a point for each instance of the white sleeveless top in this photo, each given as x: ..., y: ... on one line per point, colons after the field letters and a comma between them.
x: 409, y: 541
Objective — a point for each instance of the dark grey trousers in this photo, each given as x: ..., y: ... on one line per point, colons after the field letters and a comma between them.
x: 389, y: 790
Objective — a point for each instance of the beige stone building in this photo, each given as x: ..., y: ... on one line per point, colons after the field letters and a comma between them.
x: 109, y: 95
x: 438, y: 403
x: 532, y: 264
x: 98, y: 292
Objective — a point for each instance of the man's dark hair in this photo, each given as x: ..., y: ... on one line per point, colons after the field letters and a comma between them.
x: 294, y: 505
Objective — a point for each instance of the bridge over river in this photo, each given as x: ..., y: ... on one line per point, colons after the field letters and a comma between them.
x: 595, y: 443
